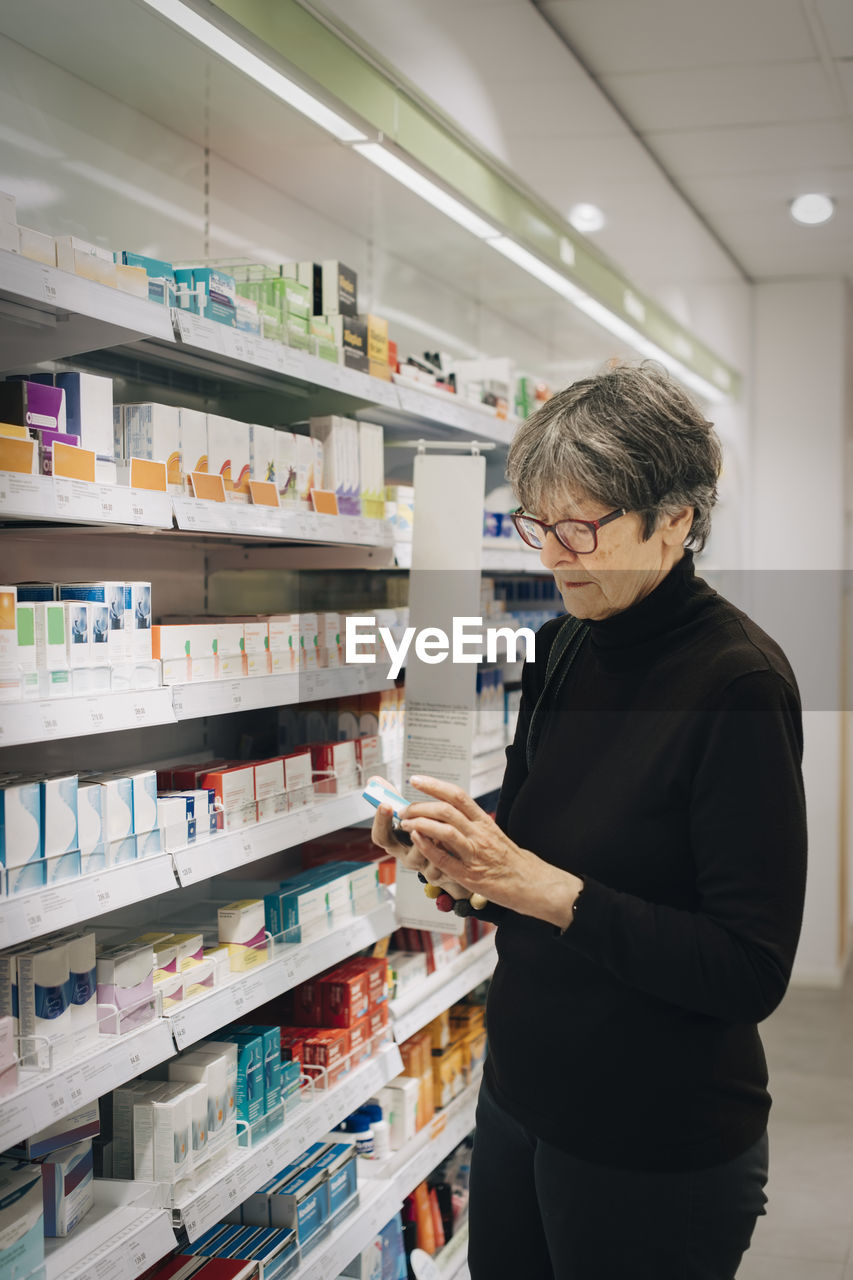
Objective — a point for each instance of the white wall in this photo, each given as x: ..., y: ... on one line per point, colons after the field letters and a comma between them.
x: 801, y: 415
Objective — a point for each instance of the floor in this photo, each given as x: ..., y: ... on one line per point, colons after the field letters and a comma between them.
x: 807, y: 1233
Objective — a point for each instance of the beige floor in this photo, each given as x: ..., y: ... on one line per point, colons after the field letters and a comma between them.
x: 808, y: 1231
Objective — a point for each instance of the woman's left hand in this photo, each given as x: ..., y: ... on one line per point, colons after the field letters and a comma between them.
x: 458, y: 837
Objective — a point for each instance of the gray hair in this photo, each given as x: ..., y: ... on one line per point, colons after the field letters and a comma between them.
x: 629, y: 437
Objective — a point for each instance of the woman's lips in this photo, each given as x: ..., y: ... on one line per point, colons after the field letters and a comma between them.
x: 574, y: 584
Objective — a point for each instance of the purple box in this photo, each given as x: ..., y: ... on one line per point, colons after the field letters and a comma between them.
x: 32, y: 404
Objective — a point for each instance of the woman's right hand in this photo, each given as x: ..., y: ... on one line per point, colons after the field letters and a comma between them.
x: 382, y: 834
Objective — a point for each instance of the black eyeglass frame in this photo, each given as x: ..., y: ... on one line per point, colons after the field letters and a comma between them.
x: 519, y: 514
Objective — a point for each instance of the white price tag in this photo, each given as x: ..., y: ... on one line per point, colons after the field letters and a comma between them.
x: 106, y: 494
x: 35, y: 920
x: 137, y: 1255
x: 247, y: 844
x: 205, y: 1211
x: 16, y: 1122
x: 231, y: 1191
x: 186, y: 871
x: 48, y: 286
x: 239, y: 997
x: 180, y: 1031
x: 57, y: 1098
x: 134, y: 1061
x: 140, y: 712
x: 49, y: 719
x: 102, y: 892
x: 95, y: 715
x: 235, y: 694
x: 76, y: 1091
x: 63, y: 495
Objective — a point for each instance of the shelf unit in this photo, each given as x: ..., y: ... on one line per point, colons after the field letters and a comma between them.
x: 31, y: 915
x: 43, y: 1097
x: 382, y: 1196
x: 131, y: 1226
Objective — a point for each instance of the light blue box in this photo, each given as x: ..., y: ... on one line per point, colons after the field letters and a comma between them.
x: 144, y: 792
x: 21, y: 1219
x: 58, y: 815
x: 90, y: 819
x: 66, y: 866
x: 20, y: 824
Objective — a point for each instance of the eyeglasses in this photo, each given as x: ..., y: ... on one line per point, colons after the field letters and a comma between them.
x: 579, y: 536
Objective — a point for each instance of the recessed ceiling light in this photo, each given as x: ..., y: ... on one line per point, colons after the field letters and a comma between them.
x: 812, y: 208
x: 586, y: 217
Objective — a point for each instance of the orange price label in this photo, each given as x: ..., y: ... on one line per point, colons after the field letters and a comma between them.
x: 263, y: 493
x: 208, y: 486
x: 325, y: 500
x: 74, y: 463
x: 145, y: 474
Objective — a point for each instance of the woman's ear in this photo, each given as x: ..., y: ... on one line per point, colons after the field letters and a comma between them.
x: 675, y: 527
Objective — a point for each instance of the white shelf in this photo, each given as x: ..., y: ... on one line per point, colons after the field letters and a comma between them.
x: 220, y: 697
x: 54, y: 718
x: 80, y: 717
x: 57, y: 314
x: 42, y: 1098
x: 206, y: 858
x: 203, y: 1204
x: 56, y: 498
x: 381, y: 1196
x: 245, y: 520
x: 290, y: 965
x: 444, y: 988
x: 120, y: 1238
x: 29, y: 915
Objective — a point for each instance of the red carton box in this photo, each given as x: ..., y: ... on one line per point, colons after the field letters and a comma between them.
x: 379, y: 1024
x: 361, y: 1040
x: 308, y: 1003
x: 329, y: 1047
x: 293, y: 1042
x: 344, y: 996
x: 375, y: 969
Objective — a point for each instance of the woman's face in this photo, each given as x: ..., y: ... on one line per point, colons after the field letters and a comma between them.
x: 623, y: 568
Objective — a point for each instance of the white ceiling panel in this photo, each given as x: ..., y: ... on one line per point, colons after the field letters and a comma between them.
x: 783, y: 251
x: 637, y: 35
x: 836, y: 18
x: 844, y: 70
x: 711, y: 97
x: 769, y: 194
x: 765, y: 148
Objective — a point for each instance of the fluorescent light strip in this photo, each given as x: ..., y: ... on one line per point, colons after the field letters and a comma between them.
x: 251, y: 65
x: 604, y: 317
x: 429, y: 191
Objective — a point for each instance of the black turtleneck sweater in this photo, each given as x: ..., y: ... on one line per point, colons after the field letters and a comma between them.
x: 667, y: 777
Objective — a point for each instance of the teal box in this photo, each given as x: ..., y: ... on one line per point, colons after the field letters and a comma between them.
x: 271, y: 1037
x: 158, y: 268
x: 250, y: 1072
x: 339, y: 1162
x: 218, y: 311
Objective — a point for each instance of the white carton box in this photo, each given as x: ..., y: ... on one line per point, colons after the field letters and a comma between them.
x: 192, y: 436
x: 151, y: 431
x: 286, y: 465
x: 89, y: 410
x: 117, y: 798
x: 20, y: 828
x: 58, y: 815
x: 144, y: 792
x: 137, y: 621
x: 87, y: 260
x: 84, y: 980
x: 262, y: 442
x: 44, y: 1005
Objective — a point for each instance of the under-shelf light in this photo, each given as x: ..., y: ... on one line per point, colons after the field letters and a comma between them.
x: 608, y: 320
x: 427, y: 190
x: 239, y: 56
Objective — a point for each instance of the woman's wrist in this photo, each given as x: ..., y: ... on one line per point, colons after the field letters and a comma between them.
x: 551, y: 895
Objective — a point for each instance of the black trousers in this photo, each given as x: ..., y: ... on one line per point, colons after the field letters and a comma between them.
x: 537, y: 1213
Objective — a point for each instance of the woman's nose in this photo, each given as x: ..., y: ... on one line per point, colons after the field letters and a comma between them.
x: 552, y: 552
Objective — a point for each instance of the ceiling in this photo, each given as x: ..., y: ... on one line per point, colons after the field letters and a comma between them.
x: 690, y: 124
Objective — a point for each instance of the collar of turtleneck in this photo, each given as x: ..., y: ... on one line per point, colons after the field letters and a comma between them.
x: 662, y: 610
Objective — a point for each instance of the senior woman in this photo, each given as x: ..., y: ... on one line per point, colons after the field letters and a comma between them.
x: 646, y: 870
